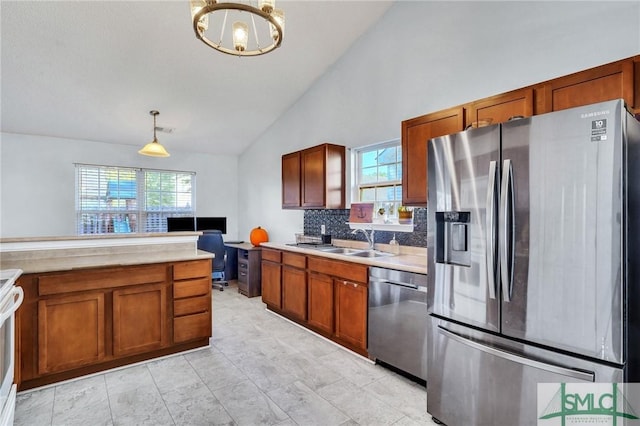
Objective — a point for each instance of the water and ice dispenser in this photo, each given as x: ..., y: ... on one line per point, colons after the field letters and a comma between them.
x: 452, y: 238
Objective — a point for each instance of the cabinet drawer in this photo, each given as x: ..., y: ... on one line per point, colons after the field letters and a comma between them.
x: 192, y: 269
x: 191, y: 327
x: 272, y: 255
x: 294, y: 259
x: 243, y: 274
x: 190, y: 288
x: 93, y: 279
x: 191, y: 305
x: 346, y: 270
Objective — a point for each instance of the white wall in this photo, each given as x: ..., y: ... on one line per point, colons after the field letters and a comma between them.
x: 422, y: 57
x: 37, y: 181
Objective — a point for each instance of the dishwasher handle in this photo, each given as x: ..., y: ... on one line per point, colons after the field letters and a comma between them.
x: 407, y: 285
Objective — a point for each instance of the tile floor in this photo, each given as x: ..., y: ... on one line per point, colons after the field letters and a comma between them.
x: 260, y: 370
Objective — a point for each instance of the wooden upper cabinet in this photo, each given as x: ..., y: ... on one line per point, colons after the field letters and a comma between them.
x: 501, y: 108
x: 603, y: 83
x: 313, y: 162
x: 291, y: 180
x: 415, y: 134
x: 314, y: 178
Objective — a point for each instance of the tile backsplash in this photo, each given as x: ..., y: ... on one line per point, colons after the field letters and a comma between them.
x: 335, y: 222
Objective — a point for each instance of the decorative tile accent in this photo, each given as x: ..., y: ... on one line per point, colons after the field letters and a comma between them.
x: 335, y: 222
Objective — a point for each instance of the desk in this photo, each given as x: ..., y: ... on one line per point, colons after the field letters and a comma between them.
x: 249, y: 274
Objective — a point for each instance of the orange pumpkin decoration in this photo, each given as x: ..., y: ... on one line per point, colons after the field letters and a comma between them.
x: 258, y: 235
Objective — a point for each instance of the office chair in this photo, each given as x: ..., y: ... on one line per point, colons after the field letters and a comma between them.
x: 212, y: 242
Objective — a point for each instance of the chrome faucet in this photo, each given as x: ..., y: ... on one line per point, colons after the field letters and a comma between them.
x: 369, y: 237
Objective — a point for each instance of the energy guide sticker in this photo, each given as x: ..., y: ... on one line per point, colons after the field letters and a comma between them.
x: 599, y: 130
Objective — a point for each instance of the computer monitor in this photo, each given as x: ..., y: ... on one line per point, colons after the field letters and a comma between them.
x: 177, y: 224
x: 211, y: 223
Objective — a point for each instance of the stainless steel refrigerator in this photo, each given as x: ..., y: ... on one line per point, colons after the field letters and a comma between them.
x: 533, y: 238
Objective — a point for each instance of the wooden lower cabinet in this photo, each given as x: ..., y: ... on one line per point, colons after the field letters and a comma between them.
x: 271, y: 280
x: 351, y: 313
x: 328, y: 296
x: 88, y: 320
x: 191, y: 305
x: 320, y: 306
x: 294, y: 292
x: 139, y: 319
x: 71, y: 332
x: 190, y: 327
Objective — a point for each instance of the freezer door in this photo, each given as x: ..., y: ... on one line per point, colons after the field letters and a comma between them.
x: 463, y: 196
x: 561, y: 226
x: 476, y: 378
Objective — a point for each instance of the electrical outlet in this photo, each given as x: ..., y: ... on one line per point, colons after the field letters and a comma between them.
x: 322, y: 229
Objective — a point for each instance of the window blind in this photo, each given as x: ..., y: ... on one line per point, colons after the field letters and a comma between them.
x: 122, y: 200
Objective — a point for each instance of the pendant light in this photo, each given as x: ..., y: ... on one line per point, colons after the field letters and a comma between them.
x: 153, y: 148
x: 257, y: 27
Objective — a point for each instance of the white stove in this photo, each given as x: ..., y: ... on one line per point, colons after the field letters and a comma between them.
x: 11, y: 297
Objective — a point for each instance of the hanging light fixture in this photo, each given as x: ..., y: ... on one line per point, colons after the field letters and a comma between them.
x: 153, y: 148
x: 250, y: 24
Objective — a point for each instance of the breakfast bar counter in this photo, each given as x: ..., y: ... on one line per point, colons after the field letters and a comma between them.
x: 93, y: 303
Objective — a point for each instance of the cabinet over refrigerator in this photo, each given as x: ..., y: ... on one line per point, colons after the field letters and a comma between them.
x: 532, y: 229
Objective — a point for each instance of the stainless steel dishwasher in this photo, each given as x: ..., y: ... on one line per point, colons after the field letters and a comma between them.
x: 398, y: 320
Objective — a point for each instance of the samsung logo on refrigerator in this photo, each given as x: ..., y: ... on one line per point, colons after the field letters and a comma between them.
x: 594, y: 114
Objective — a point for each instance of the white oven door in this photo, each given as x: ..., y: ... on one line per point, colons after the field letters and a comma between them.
x: 8, y: 306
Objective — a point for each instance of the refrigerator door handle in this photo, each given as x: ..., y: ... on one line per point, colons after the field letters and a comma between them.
x: 506, y: 230
x: 556, y: 369
x: 490, y: 235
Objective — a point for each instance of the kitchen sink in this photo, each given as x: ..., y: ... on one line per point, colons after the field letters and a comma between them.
x: 370, y: 253
x: 353, y: 252
x: 340, y: 250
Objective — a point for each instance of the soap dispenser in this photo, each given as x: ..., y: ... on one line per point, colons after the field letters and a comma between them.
x: 395, y: 246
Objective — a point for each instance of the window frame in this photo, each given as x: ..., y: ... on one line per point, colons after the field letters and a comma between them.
x: 125, y: 219
x: 396, y: 184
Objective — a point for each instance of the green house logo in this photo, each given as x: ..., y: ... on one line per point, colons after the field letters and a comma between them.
x: 586, y: 404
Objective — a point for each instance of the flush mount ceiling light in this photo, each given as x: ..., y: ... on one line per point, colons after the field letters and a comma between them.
x: 153, y: 148
x: 252, y: 22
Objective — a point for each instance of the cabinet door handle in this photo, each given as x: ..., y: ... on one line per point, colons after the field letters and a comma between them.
x: 355, y: 285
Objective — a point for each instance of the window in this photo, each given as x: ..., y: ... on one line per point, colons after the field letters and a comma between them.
x: 378, y: 175
x: 120, y: 199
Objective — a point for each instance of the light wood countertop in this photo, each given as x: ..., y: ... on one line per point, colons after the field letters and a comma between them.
x: 410, y: 260
x: 50, y: 254
x: 54, y: 264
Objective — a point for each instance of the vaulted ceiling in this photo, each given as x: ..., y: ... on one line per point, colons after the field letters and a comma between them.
x: 92, y: 70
